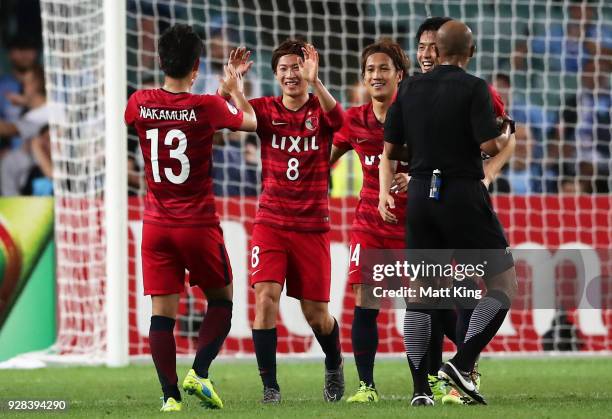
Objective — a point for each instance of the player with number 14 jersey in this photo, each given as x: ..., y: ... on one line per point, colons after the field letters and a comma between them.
x: 383, y: 65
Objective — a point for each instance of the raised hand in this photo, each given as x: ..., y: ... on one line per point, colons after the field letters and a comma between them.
x: 239, y: 60
x: 309, y: 65
x: 232, y: 82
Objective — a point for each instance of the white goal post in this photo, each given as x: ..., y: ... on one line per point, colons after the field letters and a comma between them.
x: 115, y: 188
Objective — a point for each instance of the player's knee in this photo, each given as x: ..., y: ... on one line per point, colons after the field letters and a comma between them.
x: 505, y: 282
x: 266, y: 304
x: 318, y: 319
x: 318, y: 324
x: 164, y: 312
x: 358, y: 291
x: 364, y: 296
x: 225, y: 293
x: 165, y: 305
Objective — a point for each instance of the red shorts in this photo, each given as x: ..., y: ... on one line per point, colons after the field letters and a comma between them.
x: 360, y: 241
x: 167, y: 251
x: 302, y: 258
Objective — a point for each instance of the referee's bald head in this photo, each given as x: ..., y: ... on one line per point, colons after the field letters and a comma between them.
x: 455, y: 39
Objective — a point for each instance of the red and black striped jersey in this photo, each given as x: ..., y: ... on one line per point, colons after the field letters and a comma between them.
x: 295, y: 148
x: 175, y: 131
x: 363, y: 133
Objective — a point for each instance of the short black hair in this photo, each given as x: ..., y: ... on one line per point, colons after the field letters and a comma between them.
x: 392, y: 49
x: 431, y: 24
x: 287, y: 47
x: 179, y: 48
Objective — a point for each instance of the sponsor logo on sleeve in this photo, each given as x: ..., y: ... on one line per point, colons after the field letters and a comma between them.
x: 232, y: 108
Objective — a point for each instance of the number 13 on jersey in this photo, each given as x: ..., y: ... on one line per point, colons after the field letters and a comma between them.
x: 177, y: 153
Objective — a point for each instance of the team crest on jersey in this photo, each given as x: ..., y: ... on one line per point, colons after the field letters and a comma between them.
x: 312, y: 123
x: 232, y: 108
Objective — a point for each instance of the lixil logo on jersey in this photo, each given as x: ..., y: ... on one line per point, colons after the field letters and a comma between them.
x: 312, y: 123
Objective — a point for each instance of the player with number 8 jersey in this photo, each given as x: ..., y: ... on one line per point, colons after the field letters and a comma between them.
x: 181, y: 228
x: 290, y: 240
x: 295, y: 146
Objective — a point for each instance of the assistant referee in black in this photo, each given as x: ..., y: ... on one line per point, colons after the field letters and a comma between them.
x: 439, y: 124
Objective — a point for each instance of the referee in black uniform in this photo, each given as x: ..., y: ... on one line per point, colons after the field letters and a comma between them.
x: 440, y: 123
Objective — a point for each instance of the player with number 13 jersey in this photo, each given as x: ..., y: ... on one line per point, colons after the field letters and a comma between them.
x: 181, y: 228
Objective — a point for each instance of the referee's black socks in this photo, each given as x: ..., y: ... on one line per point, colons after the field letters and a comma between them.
x: 485, y: 321
x: 417, y: 336
x: 443, y: 323
x: 465, y: 307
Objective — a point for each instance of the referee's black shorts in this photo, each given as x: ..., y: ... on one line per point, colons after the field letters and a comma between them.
x: 463, y: 218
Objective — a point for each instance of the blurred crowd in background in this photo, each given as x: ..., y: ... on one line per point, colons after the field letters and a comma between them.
x: 554, y: 78
x: 25, y: 147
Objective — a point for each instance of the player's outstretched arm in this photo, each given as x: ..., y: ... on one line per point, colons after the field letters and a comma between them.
x: 233, y: 84
x: 239, y: 62
x: 493, y: 166
x: 495, y: 145
x: 309, y: 69
x: 385, y: 178
x: 483, y: 119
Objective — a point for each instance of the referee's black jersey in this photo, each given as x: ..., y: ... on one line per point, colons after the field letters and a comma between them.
x: 443, y: 116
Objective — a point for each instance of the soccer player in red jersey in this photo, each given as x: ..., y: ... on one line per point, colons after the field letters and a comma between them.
x: 383, y: 65
x: 290, y: 241
x: 181, y: 227
x: 446, y: 321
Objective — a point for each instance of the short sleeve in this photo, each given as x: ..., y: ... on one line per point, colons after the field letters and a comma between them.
x: 131, y: 111
x: 342, y: 138
x: 259, y: 105
x: 334, y: 119
x: 222, y: 113
x: 498, y: 104
x: 394, y: 124
x: 482, y: 117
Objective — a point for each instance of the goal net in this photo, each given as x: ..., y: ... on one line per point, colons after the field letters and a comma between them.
x: 550, y: 60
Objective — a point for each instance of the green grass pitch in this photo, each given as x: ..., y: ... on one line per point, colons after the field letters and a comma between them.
x: 516, y: 388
